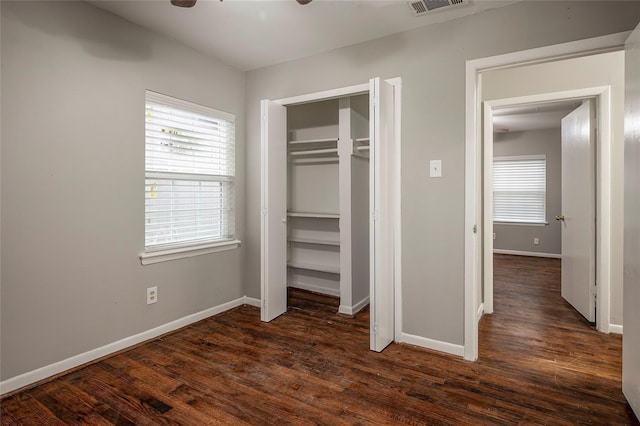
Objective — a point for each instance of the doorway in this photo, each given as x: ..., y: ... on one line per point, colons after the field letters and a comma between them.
x: 384, y: 201
x: 540, y: 192
x: 563, y: 86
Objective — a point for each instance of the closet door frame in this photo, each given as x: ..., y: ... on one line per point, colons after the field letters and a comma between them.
x: 392, y: 227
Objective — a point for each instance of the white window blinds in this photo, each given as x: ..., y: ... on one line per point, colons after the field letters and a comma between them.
x: 519, y: 189
x: 189, y: 174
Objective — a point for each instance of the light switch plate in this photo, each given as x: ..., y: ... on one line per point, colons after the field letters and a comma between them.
x: 435, y: 168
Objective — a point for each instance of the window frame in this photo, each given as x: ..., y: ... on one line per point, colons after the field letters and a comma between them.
x: 194, y: 247
x: 522, y: 221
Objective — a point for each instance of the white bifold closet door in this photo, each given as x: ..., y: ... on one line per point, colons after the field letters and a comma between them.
x: 273, y: 274
x: 381, y: 240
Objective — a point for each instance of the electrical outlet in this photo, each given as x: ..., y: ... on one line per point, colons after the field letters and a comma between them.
x: 152, y: 295
x: 536, y: 241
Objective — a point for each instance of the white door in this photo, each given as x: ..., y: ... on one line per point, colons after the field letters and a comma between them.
x: 381, y: 292
x: 273, y: 276
x: 578, y: 210
x: 631, y: 308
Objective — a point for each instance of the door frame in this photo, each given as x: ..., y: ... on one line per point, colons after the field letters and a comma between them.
x: 473, y: 249
x: 393, y: 227
x: 602, y: 97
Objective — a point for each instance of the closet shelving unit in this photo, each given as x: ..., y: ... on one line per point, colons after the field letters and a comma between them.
x: 327, y: 197
x: 312, y: 249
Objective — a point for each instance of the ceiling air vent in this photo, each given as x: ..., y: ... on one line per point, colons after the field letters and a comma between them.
x: 421, y: 7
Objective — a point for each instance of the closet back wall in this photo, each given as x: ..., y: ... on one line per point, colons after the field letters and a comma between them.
x: 73, y: 90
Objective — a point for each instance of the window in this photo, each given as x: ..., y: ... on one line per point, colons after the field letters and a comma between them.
x: 519, y: 189
x: 189, y: 175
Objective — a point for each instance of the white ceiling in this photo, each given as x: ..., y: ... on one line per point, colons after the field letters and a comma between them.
x: 532, y: 117
x: 250, y: 34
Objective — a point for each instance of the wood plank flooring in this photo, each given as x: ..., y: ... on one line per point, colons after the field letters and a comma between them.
x: 540, y: 363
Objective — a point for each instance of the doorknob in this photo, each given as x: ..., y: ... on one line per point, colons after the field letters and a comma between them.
x: 560, y: 217
x: 284, y: 219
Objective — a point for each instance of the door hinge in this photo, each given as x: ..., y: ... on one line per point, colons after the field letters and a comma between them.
x: 594, y: 291
x: 375, y: 328
x: 475, y: 229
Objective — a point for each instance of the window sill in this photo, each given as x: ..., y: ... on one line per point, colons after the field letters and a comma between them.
x: 522, y: 223
x: 152, y: 257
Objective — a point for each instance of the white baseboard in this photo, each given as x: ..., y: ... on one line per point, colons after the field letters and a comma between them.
x: 352, y: 310
x: 252, y: 301
x: 615, y: 328
x: 42, y: 373
x: 527, y: 253
x: 480, y: 312
x: 436, y: 345
x: 315, y: 288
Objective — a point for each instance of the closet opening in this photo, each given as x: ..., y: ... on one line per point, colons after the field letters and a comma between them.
x: 328, y: 199
x: 330, y: 204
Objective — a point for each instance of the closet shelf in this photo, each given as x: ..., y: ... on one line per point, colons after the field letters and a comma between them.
x: 363, y: 148
x: 300, y: 142
x: 362, y: 139
x: 314, y: 241
x: 314, y: 215
x: 314, y: 160
x: 332, y: 269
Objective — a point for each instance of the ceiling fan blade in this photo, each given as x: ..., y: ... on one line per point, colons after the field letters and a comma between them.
x: 184, y: 3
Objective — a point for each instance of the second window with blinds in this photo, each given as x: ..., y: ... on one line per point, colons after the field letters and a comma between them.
x: 189, y: 178
x: 520, y: 189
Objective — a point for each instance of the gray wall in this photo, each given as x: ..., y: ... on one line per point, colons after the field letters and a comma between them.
x: 73, y: 87
x: 520, y: 237
x: 592, y: 71
x: 431, y: 62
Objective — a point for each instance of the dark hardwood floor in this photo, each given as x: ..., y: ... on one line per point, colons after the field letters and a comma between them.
x: 540, y: 363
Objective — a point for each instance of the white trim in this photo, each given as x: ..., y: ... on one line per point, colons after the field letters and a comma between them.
x: 251, y: 301
x: 480, y: 312
x: 615, y: 328
x: 473, y: 145
x: 152, y: 257
x: 325, y: 95
x: 527, y: 253
x: 314, y: 288
x: 435, y: 345
x: 486, y: 204
x: 352, y: 310
x: 397, y: 214
x: 50, y: 370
